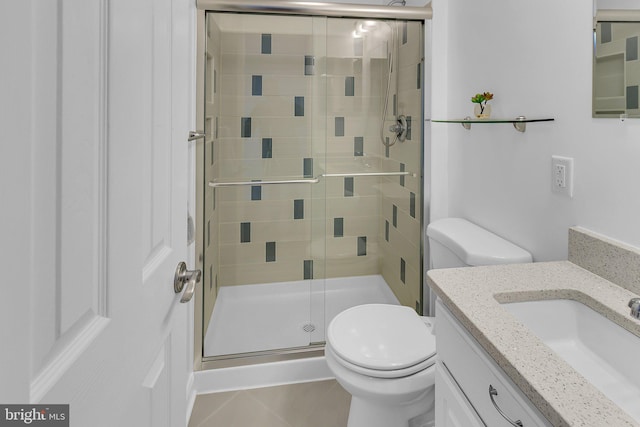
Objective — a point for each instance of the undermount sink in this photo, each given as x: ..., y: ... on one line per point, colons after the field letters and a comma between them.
x: 600, y: 350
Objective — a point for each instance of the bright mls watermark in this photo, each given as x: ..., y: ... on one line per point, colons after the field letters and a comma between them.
x: 34, y: 415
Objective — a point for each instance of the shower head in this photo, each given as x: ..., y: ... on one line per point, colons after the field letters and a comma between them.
x: 362, y: 28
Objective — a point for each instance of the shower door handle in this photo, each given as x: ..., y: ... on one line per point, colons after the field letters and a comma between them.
x: 186, y: 278
x: 308, y: 180
x: 198, y: 134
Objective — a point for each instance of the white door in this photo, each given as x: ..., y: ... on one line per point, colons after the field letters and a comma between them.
x: 96, y: 101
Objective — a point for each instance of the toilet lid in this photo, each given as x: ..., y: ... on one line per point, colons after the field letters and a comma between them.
x: 381, y: 337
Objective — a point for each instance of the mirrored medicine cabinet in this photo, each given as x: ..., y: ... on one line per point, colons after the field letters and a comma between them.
x: 616, y: 64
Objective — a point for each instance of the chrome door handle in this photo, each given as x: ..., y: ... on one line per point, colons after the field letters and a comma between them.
x: 188, y: 278
x: 198, y: 134
x: 494, y: 392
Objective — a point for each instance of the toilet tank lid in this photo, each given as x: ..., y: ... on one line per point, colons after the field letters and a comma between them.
x: 474, y: 245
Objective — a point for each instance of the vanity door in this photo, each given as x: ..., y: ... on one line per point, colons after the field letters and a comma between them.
x: 452, y: 407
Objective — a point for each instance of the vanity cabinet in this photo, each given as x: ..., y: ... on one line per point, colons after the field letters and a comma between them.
x: 465, y: 374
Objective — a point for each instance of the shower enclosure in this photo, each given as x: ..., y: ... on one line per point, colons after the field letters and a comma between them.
x: 312, y: 176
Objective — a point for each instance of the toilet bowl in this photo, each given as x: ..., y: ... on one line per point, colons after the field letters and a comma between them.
x: 384, y: 356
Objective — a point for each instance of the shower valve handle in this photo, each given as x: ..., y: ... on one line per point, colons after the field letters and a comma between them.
x: 188, y: 278
x: 397, y: 128
x: 400, y: 128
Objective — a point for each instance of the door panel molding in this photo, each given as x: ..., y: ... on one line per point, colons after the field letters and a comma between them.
x: 67, y: 355
x: 82, y: 118
x: 158, y: 385
x: 70, y: 64
x: 157, y: 194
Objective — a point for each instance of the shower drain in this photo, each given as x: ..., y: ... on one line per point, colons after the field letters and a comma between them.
x: 308, y: 327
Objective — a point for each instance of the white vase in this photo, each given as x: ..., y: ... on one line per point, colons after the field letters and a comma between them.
x: 486, y: 113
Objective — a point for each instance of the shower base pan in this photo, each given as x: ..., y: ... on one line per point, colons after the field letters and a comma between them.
x: 262, y: 317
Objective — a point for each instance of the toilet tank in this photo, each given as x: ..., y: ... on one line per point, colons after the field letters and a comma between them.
x: 456, y: 242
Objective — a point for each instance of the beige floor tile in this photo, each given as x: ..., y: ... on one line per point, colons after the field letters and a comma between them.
x: 243, y: 411
x: 331, y: 410
x: 206, y: 404
x: 315, y: 404
x: 304, y: 405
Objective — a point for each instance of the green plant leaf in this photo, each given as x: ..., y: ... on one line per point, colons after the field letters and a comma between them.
x: 478, y: 98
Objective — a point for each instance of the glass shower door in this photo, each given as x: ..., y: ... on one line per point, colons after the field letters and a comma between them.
x: 373, y: 168
x: 265, y: 123
x: 313, y: 204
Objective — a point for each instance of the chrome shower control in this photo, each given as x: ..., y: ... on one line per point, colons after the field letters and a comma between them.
x: 634, y: 305
x: 397, y: 128
x: 400, y: 128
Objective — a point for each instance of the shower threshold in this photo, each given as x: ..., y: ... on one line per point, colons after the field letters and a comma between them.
x: 262, y: 317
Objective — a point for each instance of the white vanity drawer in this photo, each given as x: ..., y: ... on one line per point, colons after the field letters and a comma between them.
x: 474, y: 371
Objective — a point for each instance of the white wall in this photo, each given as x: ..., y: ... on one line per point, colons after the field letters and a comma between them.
x: 617, y: 4
x: 536, y: 58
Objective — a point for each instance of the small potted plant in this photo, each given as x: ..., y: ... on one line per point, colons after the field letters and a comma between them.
x: 482, y: 110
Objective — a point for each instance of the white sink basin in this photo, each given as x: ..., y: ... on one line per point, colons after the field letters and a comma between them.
x: 604, y: 353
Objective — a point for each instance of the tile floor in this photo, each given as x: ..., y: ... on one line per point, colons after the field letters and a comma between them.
x: 313, y: 404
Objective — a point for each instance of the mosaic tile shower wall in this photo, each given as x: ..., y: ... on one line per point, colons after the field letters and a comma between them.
x: 298, y: 98
x: 402, y: 204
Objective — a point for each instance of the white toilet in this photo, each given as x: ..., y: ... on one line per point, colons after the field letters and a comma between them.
x: 384, y: 355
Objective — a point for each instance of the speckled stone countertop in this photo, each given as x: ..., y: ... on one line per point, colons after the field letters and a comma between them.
x: 562, y: 395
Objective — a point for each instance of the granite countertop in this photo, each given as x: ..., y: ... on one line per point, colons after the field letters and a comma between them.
x: 561, y: 394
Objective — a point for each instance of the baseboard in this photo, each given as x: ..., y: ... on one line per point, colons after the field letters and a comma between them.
x: 262, y: 375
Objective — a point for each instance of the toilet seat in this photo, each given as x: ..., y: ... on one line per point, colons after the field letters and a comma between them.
x: 387, y: 374
x: 381, y: 340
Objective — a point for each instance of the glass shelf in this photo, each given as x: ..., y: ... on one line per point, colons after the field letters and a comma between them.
x: 519, y: 123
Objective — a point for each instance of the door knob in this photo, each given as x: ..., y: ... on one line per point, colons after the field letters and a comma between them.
x: 186, y: 278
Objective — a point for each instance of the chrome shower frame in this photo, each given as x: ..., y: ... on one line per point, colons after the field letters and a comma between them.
x: 277, y: 7
x: 340, y: 10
